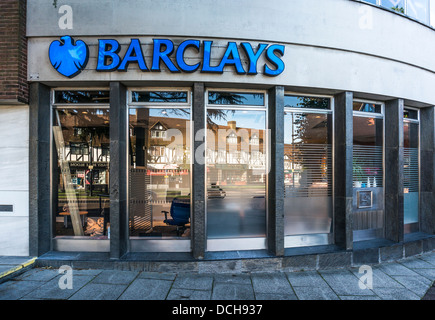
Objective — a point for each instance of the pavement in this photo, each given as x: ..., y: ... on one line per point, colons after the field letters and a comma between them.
x: 406, y: 279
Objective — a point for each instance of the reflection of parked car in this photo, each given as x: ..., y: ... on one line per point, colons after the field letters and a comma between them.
x: 216, y: 192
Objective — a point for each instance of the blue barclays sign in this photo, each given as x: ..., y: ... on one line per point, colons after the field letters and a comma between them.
x: 70, y: 58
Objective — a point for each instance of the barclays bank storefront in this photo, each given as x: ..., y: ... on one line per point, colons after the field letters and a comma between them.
x: 232, y: 130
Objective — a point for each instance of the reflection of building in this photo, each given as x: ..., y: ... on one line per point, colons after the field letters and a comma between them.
x: 236, y: 146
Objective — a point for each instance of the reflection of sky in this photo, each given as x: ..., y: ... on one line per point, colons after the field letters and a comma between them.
x: 165, y: 112
x: 251, y: 99
x: 393, y: 3
x: 244, y: 119
x: 292, y: 126
x: 432, y: 12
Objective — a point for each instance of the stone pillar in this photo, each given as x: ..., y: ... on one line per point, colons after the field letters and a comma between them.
x: 198, y: 221
x: 118, y: 171
x: 39, y: 170
x: 394, y: 170
x: 427, y: 170
x: 275, y: 218
x: 343, y: 170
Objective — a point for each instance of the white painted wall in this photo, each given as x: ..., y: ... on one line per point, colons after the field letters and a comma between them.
x: 14, y: 179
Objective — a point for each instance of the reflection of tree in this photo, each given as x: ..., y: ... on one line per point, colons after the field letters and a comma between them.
x: 82, y: 96
x: 216, y: 115
x: 313, y: 103
x: 308, y: 153
x: 398, y: 9
x: 159, y: 96
x: 228, y: 98
x: 85, y: 129
x: 225, y: 98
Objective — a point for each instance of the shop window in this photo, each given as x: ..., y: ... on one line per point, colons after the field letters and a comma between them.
x: 238, y: 210
x: 159, y: 172
x: 432, y: 13
x: 159, y: 96
x: 235, y: 98
x: 302, y: 102
x: 368, y: 170
x: 367, y: 107
x: 396, y: 5
x: 81, y: 172
x: 81, y: 97
x: 308, y: 206
x: 418, y: 9
x: 411, y: 181
x: 236, y: 169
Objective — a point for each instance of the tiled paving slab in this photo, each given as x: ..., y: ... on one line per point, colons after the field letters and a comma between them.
x: 407, y: 279
x: 344, y: 282
x: 99, y: 291
x: 147, y: 289
x: 232, y: 291
x: 51, y: 289
x: 276, y: 283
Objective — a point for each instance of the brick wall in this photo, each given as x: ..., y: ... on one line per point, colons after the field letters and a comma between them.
x: 13, y: 52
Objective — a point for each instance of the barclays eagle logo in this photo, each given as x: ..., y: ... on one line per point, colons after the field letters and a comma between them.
x: 67, y: 58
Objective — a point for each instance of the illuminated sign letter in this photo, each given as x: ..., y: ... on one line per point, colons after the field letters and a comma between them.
x: 133, y: 54
x: 275, y: 60
x: 180, y: 55
x: 253, y: 57
x: 108, y: 49
x: 232, y: 57
x: 207, y: 56
x: 163, y: 55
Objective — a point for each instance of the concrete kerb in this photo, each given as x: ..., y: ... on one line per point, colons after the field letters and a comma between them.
x: 16, y: 270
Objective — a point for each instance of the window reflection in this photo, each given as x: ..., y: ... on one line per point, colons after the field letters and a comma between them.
x: 236, y: 98
x: 422, y: 10
x: 306, y: 102
x: 159, y: 96
x: 367, y: 152
x: 159, y: 182
x: 396, y: 5
x: 307, y: 173
x: 368, y: 218
x: 432, y: 13
x: 367, y: 107
x: 411, y: 173
x: 88, y: 97
x: 236, y: 174
x: 418, y: 9
x: 82, y: 142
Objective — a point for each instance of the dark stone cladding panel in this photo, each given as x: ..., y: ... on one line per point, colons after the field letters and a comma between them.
x: 413, y: 248
x: 275, y: 215
x: 118, y: 181
x: 343, y: 172
x: 198, y: 174
x: 391, y: 253
x: 366, y: 256
x: 39, y: 170
x: 394, y: 170
x: 335, y: 260
x: 303, y: 262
